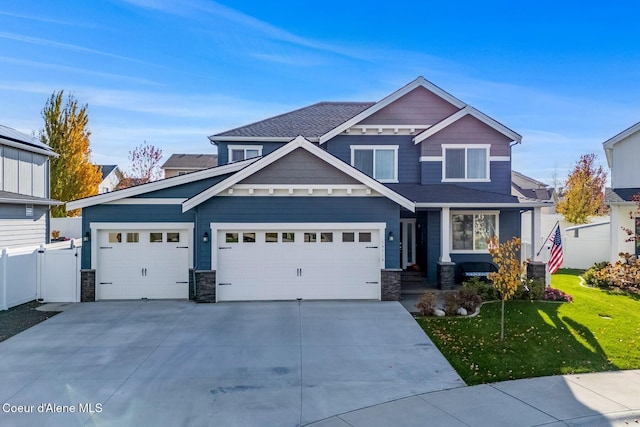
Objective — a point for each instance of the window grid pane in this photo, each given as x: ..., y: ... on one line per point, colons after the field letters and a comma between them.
x: 271, y: 237
x: 248, y: 237
x: 385, y: 164
x: 454, y: 167
x: 363, y: 161
x: 476, y: 163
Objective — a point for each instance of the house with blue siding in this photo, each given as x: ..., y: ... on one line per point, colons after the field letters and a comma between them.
x: 330, y: 201
x: 24, y: 189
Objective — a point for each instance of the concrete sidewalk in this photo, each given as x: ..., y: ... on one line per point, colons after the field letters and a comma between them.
x: 599, y: 399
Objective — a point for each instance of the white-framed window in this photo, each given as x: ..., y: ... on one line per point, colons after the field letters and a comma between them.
x: 243, y: 152
x: 472, y: 231
x: 377, y: 161
x: 465, y: 162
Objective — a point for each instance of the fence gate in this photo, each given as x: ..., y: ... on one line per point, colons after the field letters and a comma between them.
x: 60, y: 275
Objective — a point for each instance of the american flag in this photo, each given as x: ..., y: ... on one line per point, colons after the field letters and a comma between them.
x: 556, y: 259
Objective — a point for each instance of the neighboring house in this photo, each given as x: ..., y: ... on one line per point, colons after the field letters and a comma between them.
x: 526, y: 187
x: 24, y: 189
x: 330, y: 201
x: 622, y: 152
x: 111, y: 177
x: 180, y: 164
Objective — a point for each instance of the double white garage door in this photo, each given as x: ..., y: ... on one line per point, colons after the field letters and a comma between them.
x: 252, y: 262
x: 307, y: 261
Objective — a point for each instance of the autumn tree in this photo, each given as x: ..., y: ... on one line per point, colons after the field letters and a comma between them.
x: 584, y: 191
x: 145, y: 166
x: 73, y: 176
x: 510, y: 270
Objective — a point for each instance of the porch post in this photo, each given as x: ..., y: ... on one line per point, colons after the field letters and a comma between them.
x: 445, y: 268
x: 445, y: 239
x: 536, y: 234
x: 614, y: 232
x: 537, y: 268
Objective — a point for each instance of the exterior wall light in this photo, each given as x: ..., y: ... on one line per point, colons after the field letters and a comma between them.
x: 86, y: 237
x: 205, y: 237
x: 391, y: 238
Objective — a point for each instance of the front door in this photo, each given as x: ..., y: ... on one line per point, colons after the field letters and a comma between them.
x: 407, y: 242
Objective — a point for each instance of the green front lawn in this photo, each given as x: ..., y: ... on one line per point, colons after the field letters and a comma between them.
x: 599, y: 331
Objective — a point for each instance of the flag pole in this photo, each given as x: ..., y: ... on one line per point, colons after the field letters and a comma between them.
x: 547, y: 239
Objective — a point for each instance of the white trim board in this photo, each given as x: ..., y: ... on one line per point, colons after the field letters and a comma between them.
x: 419, y: 82
x: 467, y: 110
x: 159, y: 185
x: 298, y: 142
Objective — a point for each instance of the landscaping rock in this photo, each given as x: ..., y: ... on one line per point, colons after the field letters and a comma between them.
x: 462, y: 311
x: 439, y: 313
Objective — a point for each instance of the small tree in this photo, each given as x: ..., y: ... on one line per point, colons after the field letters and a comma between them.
x: 73, y: 176
x: 145, y: 166
x: 584, y: 191
x: 510, y: 270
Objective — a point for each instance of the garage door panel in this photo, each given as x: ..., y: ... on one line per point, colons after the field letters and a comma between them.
x: 309, y: 264
x: 134, y: 264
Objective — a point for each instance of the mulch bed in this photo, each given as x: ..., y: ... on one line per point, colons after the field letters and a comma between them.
x: 21, y: 317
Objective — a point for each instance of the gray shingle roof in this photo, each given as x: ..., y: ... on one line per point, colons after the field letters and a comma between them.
x: 106, y: 169
x: 449, y: 193
x: 191, y: 161
x: 10, y: 134
x: 620, y: 194
x: 310, y: 122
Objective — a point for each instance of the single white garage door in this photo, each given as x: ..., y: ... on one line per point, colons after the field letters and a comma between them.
x: 134, y: 264
x: 286, y: 264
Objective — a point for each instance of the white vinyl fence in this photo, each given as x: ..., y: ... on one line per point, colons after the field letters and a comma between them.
x: 71, y: 228
x: 50, y: 273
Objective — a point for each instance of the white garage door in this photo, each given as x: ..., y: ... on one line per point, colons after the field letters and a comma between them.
x: 285, y: 264
x: 134, y: 264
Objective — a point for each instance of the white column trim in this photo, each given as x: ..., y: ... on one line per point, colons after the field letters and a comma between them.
x: 536, y: 234
x: 445, y: 235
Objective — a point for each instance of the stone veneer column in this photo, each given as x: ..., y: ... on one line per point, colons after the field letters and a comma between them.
x: 87, y: 285
x: 390, y: 289
x: 205, y: 281
x: 446, y: 275
x: 537, y: 270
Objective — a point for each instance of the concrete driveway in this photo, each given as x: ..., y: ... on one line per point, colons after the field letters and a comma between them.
x: 180, y: 363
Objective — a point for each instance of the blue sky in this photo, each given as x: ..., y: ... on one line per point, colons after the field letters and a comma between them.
x: 564, y: 75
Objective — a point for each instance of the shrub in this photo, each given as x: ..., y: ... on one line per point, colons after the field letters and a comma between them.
x: 484, y: 289
x: 551, y: 294
x: 451, y: 303
x: 469, y: 299
x: 427, y: 304
x: 623, y: 275
x: 530, y: 289
x: 596, y: 275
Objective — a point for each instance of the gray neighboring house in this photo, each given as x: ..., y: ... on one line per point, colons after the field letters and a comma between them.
x: 111, y: 177
x: 24, y: 189
x: 180, y: 164
x: 527, y: 187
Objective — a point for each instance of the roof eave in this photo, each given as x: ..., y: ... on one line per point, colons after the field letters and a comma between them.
x: 159, y: 185
x: 419, y: 82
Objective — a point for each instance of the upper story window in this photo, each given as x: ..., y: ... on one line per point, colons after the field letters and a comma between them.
x: 243, y: 152
x: 377, y: 161
x: 465, y: 163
